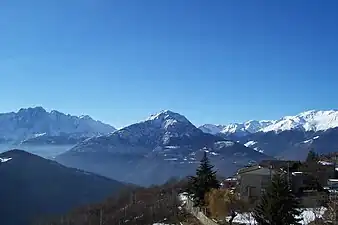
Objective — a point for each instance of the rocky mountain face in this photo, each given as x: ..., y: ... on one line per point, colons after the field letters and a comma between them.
x: 33, y: 187
x: 37, y: 126
x: 290, y: 137
x: 164, y: 145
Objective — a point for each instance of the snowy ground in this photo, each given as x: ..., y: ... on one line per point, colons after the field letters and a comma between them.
x: 161, y: 224
x: 183, y: 197
x: 308, y: 215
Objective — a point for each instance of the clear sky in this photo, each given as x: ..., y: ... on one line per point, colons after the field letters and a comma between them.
x: 215, y: 61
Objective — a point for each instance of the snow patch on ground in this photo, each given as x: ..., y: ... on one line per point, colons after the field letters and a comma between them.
x: 171, y: 159
x: 183, y: 197
x: 214, y: 153
x: 171, y: 147
x: 250, y: 143
x: 2, y: 160
x: 222, y: 144
x: 161, y: 224
x: 324, y: 163
x: 39, y: 135
x: 258, y: 150
x: 308, y: 215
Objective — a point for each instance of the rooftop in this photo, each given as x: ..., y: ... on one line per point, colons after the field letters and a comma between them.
x: 248, y: 169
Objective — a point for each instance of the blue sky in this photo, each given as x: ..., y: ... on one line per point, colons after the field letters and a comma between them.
x: 213, y: 61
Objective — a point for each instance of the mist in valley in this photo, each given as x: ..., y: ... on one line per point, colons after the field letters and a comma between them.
x: 45, y: 151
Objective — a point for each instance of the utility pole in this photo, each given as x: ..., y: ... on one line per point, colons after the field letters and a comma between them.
x: 133, y: 197
x: 270, y: 170
x: 334, y: 165
x: 101, y: 215
x: 289, y: 174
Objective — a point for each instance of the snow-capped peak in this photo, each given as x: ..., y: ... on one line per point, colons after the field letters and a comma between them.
x: 313, y: 120
x: 167, y: 114
x: 253, y: 126
x: 167, y: 118
x: 211, y: 128
x: 250, y: 126
x: 85, y: 117
x: 34, y: 122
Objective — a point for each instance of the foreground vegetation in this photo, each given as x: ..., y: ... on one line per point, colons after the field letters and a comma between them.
x: 132, y: 206
x: 156, y: 204
x: 278, y: 204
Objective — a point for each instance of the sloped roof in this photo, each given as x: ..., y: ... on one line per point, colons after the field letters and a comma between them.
x: 249, y: 169
x: 276, y: 164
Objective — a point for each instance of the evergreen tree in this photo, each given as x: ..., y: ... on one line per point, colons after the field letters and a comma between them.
x: 278, y: 205
x: 203, y: 182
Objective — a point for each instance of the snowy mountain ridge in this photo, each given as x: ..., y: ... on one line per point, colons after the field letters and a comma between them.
x: 157, y: 129
x: 251, y: 126
x: 151, y: 151
x: 312, y: 120
x: 167, y: 118
x: 37, y: 122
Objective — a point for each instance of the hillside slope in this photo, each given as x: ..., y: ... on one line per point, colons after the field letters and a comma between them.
x: 32, y: 186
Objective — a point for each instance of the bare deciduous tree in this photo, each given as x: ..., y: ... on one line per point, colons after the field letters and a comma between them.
x: 223, y: 203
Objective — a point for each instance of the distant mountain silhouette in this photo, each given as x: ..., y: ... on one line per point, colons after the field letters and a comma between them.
x: 31, y: 186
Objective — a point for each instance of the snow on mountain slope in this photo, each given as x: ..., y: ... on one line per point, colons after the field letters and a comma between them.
x: 313, y: 120
x: 37, y: 122
x: 251, y: 126
x: 164, y: 145
x: 2, y: 160
x: 161, y: 129
x: 211, y: 128
x: 168, y: 117
x: 250, y: 143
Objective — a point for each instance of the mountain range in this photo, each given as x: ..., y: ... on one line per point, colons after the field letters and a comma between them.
x: 152, y: 151
x: 290, y: 137
x: 313, y: 120
x: 167, y: 144
x: 37, y: 126
x: 33, y: 187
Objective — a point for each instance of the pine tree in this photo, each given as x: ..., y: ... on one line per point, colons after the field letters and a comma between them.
x: 203, y: 182
x: 278, y: 205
